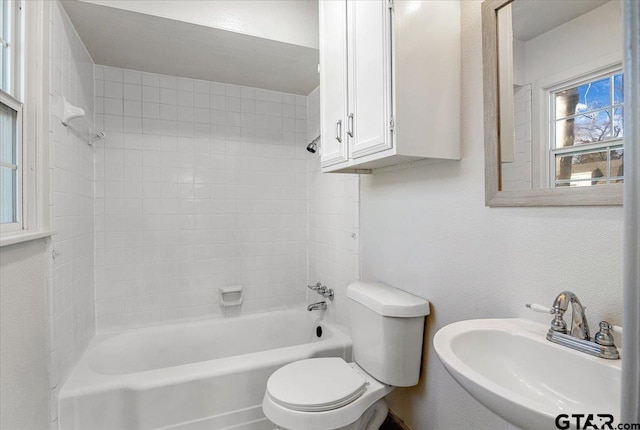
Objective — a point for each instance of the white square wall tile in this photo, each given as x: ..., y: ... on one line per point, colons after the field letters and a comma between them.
x: 150, y: 79
x: 113, y: 90
x: 232, y: 90
x: 113, y: 106
x: 132, y: 92
x: 168, y: 82
x: 168, y: 96
x: 150, y: 94
x: 132, y: 108
x: 191, y: 158
x: 132, y: 77
x: 201, y: 100
x: 247, y: 92
x: 113, y: 74
x: 185, y: 98
x: 201, y: 86
x: 185, y: 84
x: 217, y: 88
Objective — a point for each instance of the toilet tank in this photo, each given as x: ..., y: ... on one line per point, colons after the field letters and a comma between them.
x: 387, y: 328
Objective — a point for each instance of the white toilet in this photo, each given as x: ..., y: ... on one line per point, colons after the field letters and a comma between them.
x: 387, y: 327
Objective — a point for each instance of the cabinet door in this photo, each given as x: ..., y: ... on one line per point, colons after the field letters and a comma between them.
x: 369, y: 84
x: 333, y: 81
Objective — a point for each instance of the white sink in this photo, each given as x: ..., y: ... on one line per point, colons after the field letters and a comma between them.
x: 509, y: 366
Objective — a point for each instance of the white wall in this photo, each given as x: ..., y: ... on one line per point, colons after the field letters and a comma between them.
x: 71, y: 290
x: 199, y: 185
x: 426, y: 230
x: 294, y: 22
x: 23, y: 337
x: 334, y: 225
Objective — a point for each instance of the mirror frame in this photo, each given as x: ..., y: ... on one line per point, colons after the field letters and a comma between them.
x: 609, y: 195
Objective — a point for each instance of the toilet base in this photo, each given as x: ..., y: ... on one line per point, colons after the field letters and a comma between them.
x: 371, y: 419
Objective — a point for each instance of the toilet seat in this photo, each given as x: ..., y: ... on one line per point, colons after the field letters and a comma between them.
x: 350, y: 411
x: 316, y: 385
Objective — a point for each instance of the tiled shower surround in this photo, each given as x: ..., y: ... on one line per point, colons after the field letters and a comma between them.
x: 71, y: 273
x: 198, y: 185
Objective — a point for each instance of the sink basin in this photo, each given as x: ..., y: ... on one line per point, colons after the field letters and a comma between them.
x: 510, y: 367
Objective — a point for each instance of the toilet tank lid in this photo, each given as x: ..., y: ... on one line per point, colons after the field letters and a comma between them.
x: 387, y: 301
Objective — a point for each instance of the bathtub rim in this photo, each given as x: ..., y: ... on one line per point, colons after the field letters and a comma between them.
x: 84, y: 380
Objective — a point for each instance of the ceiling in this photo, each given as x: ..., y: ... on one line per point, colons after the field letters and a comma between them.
x: 132, y: 40
x: 297, y: 20
x: 531, y: 18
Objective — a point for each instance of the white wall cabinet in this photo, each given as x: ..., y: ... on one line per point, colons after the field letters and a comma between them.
x: 389, y: 83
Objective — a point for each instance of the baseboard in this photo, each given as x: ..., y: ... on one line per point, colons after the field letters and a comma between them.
x: 393, y: 422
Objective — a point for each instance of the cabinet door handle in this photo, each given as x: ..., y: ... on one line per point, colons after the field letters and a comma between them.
x: 350, y: 125
x: 339, y: 130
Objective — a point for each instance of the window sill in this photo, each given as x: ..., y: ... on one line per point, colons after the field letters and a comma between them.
x: 22, y: 236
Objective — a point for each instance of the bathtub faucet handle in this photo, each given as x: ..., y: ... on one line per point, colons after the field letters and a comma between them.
x: 322, y: 290
x: 327, y: 293
x: 319, y: 288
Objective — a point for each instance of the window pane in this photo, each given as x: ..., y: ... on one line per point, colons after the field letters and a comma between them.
x: 617, y: 165
x: 8, y: 118
x: 618, y: 122
x: 582, y: 169
x: 618, y: 89
x: 583, y: 98
x: 8, y: 195
x: 593, y: 127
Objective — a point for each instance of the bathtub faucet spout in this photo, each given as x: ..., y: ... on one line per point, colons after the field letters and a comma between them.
x: 320, y: 306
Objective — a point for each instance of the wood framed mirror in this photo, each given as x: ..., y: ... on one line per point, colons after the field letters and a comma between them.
x: 553, y: 102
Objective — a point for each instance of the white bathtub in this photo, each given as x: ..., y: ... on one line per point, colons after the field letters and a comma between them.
x: 206, y: 375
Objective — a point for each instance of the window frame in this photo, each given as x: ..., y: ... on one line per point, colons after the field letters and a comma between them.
x: 607, y: 145
x: 33, y: 84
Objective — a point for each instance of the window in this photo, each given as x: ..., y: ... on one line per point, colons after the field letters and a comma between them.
x: 24, y: 120
x: 587, y: 131
x: 10, y: 172
x: 11, y: 96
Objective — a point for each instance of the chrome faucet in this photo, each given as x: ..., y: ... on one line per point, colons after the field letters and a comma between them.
x: 579, y: 338
x: 322, y: 290
x: 320, y: 306
x: 579, y: 325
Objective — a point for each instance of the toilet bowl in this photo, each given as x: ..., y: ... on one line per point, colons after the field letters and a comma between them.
x: 387, y: 327
x: 324, y: 394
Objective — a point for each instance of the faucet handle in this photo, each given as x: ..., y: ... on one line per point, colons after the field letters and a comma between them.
x: 539, y: 308
x: 604, y: 336
x: 558, y: 324
x: 316, y: 287
x: 327, y: 293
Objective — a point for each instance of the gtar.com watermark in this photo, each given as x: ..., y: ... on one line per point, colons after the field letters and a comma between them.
x: 592, y: 422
